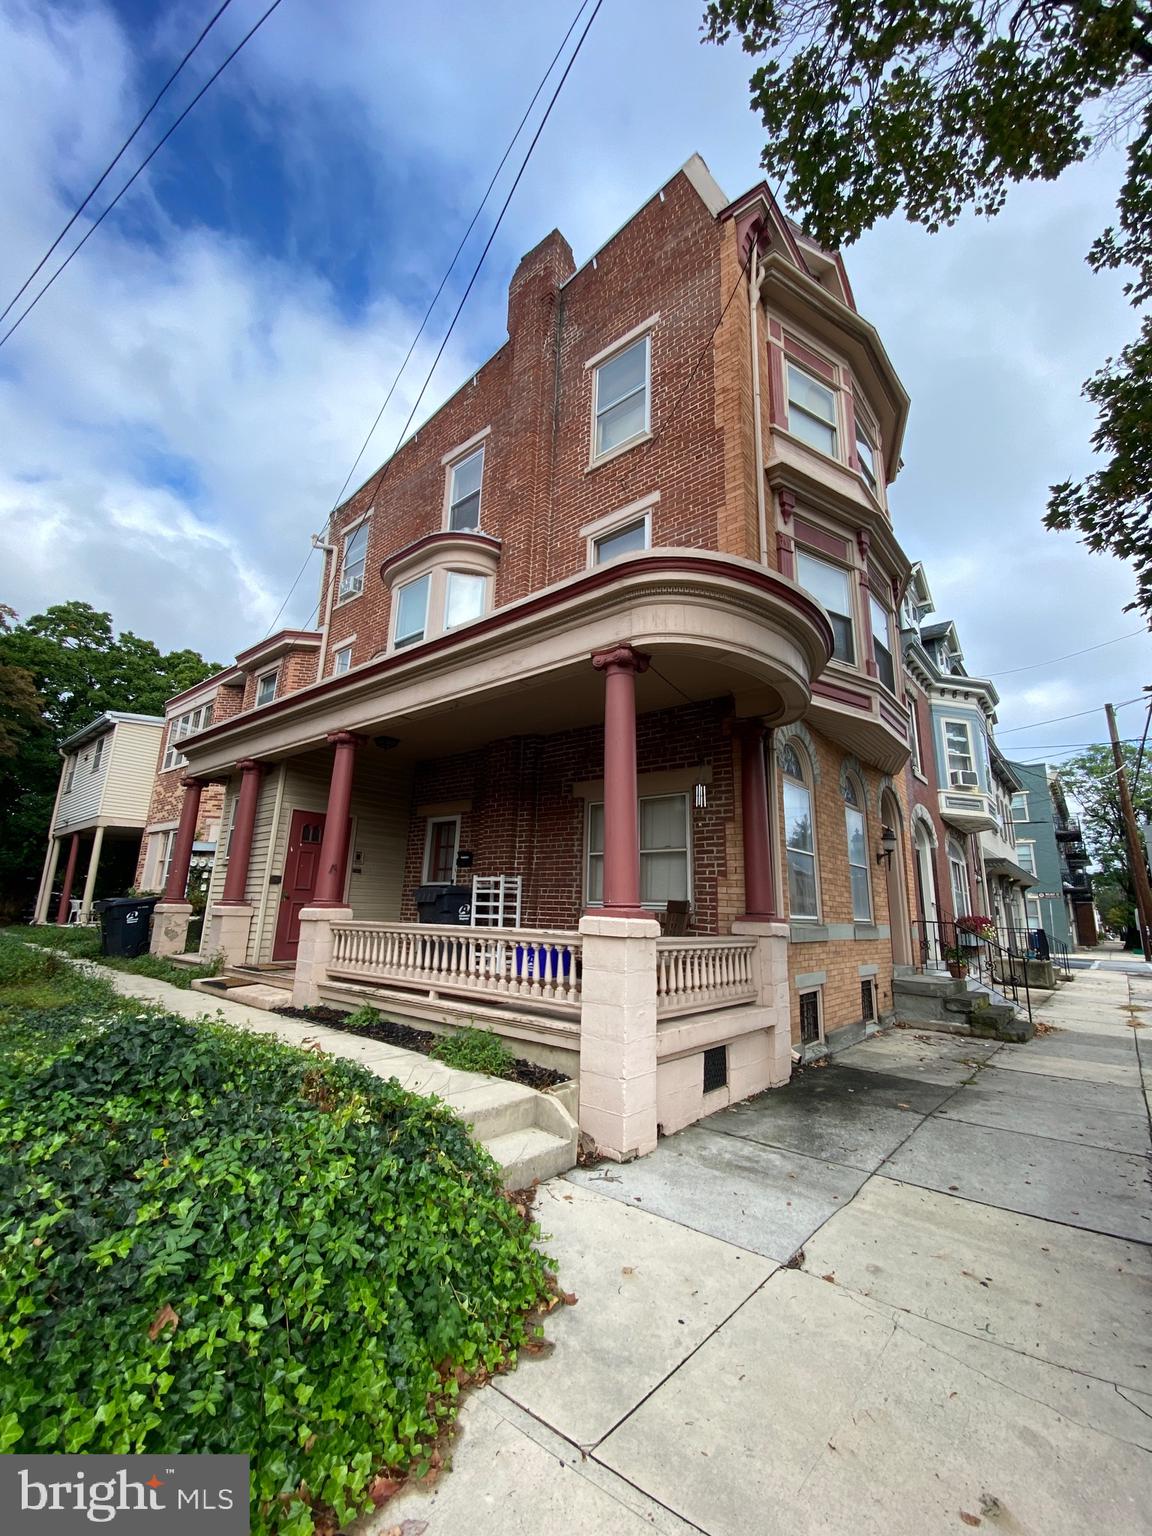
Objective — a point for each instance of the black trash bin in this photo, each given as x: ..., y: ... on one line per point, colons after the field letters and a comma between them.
x: 125, y: 922
x: 443, y: 903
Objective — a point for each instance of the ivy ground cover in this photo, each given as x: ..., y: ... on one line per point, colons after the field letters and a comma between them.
x: 212, y: 1242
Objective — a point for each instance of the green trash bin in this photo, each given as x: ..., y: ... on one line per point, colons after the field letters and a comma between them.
x: 125, y: 924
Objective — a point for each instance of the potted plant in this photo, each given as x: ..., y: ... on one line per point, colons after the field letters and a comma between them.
x: 956, y: 960
x: 973, y: 930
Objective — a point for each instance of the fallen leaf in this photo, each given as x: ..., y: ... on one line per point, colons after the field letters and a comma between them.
x: 627, y: 1270
x: 569, y: 1298
x: 165, y: 1318
x: 383, y: 1488
x: 970, y: 1519
x: 830, y: 1277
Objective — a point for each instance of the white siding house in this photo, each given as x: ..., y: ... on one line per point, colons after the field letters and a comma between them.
x: 101, y: 808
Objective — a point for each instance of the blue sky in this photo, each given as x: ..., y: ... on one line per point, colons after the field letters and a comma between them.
x: 179, y: 412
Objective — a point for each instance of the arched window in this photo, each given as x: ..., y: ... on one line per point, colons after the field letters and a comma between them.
x: 799, y: 836
x: 858, y: 872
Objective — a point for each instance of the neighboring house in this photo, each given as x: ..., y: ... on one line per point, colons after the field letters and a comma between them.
x: 1049, y: 842
x: 950, y: 782
x: 101, y: 808
x: 1006, y: 879
x: 616, y: 627
x: 187, y: 713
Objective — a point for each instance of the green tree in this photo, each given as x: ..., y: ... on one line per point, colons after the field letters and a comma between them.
x: 933, y: 106
x: 58, y: 671
x: 1090, y: 778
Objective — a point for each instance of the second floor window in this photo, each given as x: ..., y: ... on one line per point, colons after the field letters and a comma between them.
x: 914, y: 735
x: 1020, y: 806
x: 621, y: 390
x: 882, y: 644
x: 622, y: 541
x: 412, y: 611
x: 866, y: 453
x: 97, y: 756
x: 812, y: 411
x: 958, y: 745
x: 830, y: 586
x: 466, y: 482
x: 266, y: 688
x: 355, y: 557
x: 69, y: 775
x: 184, y: 725
x: 341, y: 660
x: 464, y: 597
x: 1026, y: 857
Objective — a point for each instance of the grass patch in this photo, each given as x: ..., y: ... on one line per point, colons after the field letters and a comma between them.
x: 84, y: 944
x: 475, y: 1050
x: 210, y: 1242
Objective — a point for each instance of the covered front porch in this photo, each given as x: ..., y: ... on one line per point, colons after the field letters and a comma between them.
x: 621, y: 788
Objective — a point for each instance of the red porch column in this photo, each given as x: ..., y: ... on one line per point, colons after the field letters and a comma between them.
x: 621, y: 824
x: 240, y: 843
x: 69, y: 876
x: 176, y: 885
x: 755, y: 815
x: 334, y: 848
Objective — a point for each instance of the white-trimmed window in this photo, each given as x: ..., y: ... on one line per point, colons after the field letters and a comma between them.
x: 1026, y: 857
x: 441, y: 846
x: 465, y: 597
x: 97, y: 756
x: 266, y: 687
x: 164, y: 859
x: 859, y: 875
x: 812, y: 415
x: 465, y: 484
x: 665, y: 851
x: 958, y: 750
x: 882, y: 642
x: 1020, y: 806
x: 621, y: 394
x: 354, y: 562
x: 69, y: 774
x: 866, y: 453
x: 799, y: 836
x: 341, y: 660
x: 958, y: 880
x: 914, y: 736
x: 625, y: 540
x: 184, y: 725
x: 830, y: 585
x: 412, y: 611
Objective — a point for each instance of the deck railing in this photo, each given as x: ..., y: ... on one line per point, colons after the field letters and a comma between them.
x: 695, y: 975
x: 532, y: 965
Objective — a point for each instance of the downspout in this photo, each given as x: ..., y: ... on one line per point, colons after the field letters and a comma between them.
x: 757, y: 427
x: 327, y: 579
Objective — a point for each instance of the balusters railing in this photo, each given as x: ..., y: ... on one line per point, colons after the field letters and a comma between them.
x: 703, y: 973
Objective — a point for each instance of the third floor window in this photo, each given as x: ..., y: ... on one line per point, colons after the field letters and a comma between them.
x: 355, y: 557
x: 621, y: 403
x: 467, y: 478
x: 812, y: 411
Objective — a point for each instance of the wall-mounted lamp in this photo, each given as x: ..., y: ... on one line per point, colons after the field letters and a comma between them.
x: 887, y: 845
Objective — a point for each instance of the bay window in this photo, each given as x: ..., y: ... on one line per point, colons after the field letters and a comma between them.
x: 830, y: 585
x: 958, y: 749
x: 464, y: 597
x: 882, y: 643
x: 412, y: 611
x: 180, y: 727
x: 866, y: 454
x: 812, y: 413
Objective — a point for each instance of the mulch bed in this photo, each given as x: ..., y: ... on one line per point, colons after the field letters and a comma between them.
x: 422, y: 1040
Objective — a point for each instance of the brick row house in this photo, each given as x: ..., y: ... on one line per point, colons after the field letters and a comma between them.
x: 616, y: 635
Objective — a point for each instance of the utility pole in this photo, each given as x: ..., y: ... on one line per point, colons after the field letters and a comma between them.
x: 1135, y: 842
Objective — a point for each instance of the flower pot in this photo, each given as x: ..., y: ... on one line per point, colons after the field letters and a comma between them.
x: 958, y: 969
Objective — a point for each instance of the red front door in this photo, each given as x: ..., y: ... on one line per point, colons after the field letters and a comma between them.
x: 300, y: 870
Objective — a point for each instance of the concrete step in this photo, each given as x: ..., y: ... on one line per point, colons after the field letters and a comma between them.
x: 530, y: 1153
x: 493, y: 1108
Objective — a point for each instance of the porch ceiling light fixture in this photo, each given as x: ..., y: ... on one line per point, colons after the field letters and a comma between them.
x: 385, y: 743
x: 887, y: 845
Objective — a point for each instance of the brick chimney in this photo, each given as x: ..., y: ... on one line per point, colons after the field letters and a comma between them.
x: 537, y: 280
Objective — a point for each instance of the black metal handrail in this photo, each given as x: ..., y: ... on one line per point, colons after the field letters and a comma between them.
x: 942, y: 946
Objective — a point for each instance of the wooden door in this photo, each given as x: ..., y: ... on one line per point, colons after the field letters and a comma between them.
x: 301, y: 868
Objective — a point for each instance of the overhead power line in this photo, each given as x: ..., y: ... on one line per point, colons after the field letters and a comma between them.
x: 92, y: 228
x: 1056, y: 719
x: 436, y: 296
x: 1052, y: 660
x: 117, y: 157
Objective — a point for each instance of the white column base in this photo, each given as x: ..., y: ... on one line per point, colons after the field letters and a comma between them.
x: 170, y: 921
x: 618, y: 1035
x: 315, y: 952
x: 226, y: 933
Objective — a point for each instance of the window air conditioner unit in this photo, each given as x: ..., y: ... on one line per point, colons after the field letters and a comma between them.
x: 965, y: 778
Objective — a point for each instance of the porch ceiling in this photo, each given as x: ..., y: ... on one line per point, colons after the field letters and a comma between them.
x: 713, y: 625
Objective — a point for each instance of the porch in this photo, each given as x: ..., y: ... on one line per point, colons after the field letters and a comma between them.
x: 605, y: 780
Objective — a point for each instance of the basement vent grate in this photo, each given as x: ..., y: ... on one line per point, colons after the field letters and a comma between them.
x: 868, y: 1001
x: 715, y: 1068
x: 809, y: 1018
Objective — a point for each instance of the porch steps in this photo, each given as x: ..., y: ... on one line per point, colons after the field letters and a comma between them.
x: 528, y: 1154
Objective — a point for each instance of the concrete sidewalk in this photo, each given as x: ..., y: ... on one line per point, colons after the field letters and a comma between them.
x: 962, y: 1339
